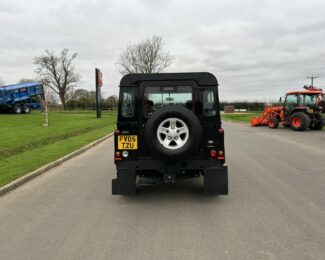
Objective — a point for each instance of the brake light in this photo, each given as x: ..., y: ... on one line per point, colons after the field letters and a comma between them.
x: 117, y: 132
x: 213, y: 153
x: 220, y: 131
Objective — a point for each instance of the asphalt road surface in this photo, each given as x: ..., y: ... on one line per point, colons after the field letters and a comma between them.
x: 275, y: 209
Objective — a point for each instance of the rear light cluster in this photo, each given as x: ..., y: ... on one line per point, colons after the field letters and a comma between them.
x: 213, y: 153
x: 118, y: 154
x: 219, y: 154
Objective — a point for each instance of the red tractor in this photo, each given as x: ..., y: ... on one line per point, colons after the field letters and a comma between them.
x: 301, y: 110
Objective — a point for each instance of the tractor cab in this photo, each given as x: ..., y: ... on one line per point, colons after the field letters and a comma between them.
x: 300, y: 101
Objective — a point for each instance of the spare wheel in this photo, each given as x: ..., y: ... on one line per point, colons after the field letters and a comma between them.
x: 173, y: 132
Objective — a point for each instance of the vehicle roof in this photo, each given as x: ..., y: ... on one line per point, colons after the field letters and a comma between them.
x: 307, y: 92
x: 21, y: 85
x: 201, y: 78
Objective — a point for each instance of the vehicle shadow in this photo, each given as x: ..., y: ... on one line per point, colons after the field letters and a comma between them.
x: 190, y: 191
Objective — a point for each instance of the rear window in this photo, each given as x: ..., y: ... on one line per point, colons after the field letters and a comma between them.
x: 158, y: 97
x: 311, y: 100
x: 128, y: 104
x: 209, y: 103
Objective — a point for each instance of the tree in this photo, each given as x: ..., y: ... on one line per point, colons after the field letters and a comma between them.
x: 23, y: 80
x: 57, y: 73
x: 92, y: 94
x: 112, y: 102
x: 50, y: 95
x: 147, y: 56
x: 80, y: 93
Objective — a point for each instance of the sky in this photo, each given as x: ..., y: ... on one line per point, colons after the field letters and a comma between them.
x: 257, y: 49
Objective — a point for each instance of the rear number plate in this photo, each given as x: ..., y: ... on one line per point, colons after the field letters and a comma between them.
x: 127, y: 142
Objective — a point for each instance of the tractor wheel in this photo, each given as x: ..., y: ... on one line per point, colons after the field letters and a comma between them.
x: 320, y: 122
x: 273, y: 122
x: 17, y: 109
x: 299, y: 121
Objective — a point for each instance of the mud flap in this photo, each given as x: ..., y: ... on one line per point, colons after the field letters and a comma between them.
x: 125, y: 183
x: 216, y: 181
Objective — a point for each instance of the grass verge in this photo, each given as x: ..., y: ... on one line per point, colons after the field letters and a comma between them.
x: 240, y: 117
x: 26, y: 145
x: 16, y: 166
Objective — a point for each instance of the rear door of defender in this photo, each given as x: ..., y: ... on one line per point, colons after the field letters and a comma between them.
x: 156, y: 94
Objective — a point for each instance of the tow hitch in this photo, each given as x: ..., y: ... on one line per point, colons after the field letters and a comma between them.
x: 169, y: 177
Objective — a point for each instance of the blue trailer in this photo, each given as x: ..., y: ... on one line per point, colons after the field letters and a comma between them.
x: 18, y: 98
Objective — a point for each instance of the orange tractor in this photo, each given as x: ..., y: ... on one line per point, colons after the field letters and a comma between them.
x: 301, y: 110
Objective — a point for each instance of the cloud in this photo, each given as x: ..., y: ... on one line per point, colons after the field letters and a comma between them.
x: 257, y: 49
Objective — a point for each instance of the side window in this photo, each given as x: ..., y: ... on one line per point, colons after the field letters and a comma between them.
x: 291, y: 101
x: 128, y: 104
x: 209, y: 103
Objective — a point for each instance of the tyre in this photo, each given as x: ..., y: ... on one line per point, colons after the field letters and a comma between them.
x: 299, y: 121
x: 17, y: 109
x: 273, y: 122
x: 320, y: 123
x: 173, y: 132
x: 26, y: 109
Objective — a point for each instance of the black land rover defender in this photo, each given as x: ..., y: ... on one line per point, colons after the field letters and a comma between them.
x: 169, y: 128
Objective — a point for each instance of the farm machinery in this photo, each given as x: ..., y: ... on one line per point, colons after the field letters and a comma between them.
x: 18, y: 98
x: 301, y: 110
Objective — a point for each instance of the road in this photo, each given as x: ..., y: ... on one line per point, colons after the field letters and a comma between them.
x: 275, y: 209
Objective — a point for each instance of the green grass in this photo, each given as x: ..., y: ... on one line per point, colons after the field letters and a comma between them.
x: 26, y: 145
x: 240, y: 117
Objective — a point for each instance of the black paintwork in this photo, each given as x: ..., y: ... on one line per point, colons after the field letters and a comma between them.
x: 141, y: 162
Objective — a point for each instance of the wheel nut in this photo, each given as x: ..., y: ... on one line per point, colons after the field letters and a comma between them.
x: 176, y: 137
x: 169, y: 138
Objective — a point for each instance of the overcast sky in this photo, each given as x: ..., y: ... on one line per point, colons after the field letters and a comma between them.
x: 257, y: 49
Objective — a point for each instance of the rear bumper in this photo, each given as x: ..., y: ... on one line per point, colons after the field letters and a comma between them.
x: 162, y: 166
x: 215, y: 174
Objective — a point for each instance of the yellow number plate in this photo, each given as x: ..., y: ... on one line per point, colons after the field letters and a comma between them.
x: 127, y: 142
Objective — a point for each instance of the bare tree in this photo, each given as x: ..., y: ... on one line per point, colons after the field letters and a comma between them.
x: 147, y: 56
x: 57, y: 73
x: 50, y: 95
x: 25, y: 80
